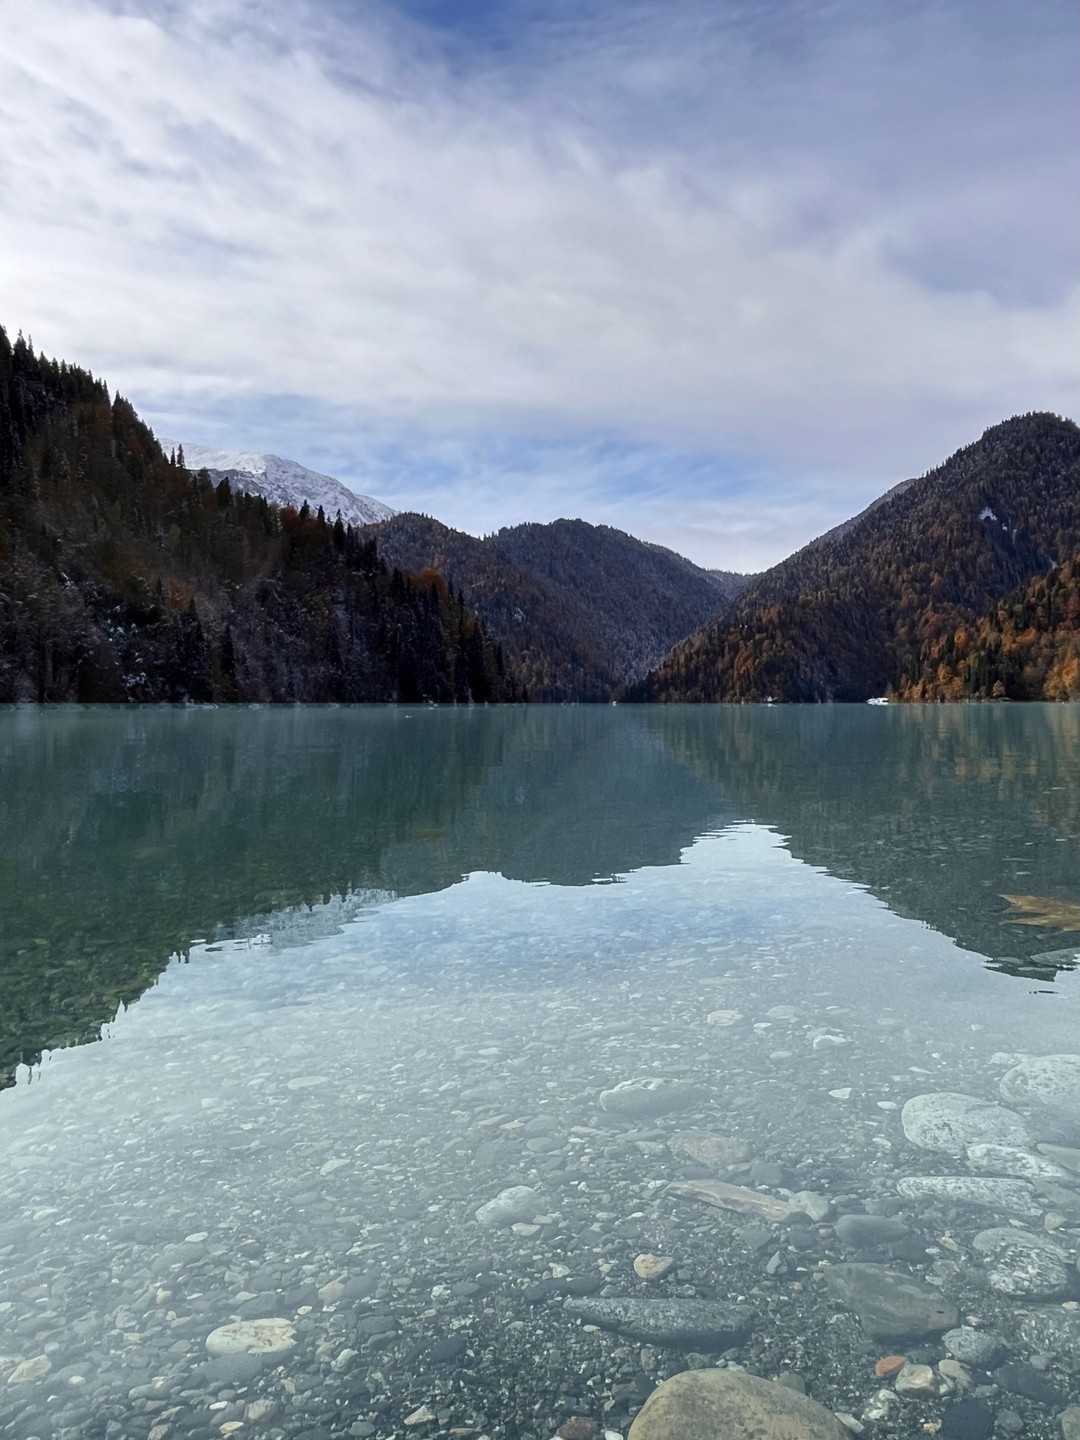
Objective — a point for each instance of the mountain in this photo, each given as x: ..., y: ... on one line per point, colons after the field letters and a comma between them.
x: 124, y: 576
x: 578, y: 609
x: 282, y: 482
x: 1025, y: 647
x: 873, y: 607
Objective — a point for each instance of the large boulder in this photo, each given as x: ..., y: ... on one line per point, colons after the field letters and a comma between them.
x: 1050, y: 1080
x: 731, y: 1405
x: 950, y: 1122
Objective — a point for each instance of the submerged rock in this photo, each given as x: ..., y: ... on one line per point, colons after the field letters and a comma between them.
x: 890, y: 1306
x: 861, y: 1232
x: 681, y: 1324
x: 640, y: 1099
x: 981, y: 1348
x: 1024, y: 1264
x: 704, y: 1404
x: 715, y: 1152
x: 1011, y: 1160
x: 950, y: 1122
x: 516, y: 1204
x: 252, y: 1337
x: 1050, y: 1080
x: 1016, y: 1196
x: 732, y: 1197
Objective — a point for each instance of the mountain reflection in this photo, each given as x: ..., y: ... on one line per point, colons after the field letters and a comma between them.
x: 126, y: 835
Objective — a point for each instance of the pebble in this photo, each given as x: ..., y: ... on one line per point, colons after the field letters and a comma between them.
x: 917, y: 1380
x: 653, y: 1267
x: 509, y: 1206
x: 251, y: 1337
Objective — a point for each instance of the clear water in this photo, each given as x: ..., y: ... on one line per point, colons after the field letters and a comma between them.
x: 355, y: 971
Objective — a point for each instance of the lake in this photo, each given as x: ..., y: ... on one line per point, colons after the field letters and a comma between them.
x: 721, y: 1018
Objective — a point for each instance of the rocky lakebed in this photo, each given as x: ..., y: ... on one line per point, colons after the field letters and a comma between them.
x: 715, y: 1190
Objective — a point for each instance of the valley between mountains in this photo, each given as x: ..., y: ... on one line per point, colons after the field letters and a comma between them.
x: 133, y: 571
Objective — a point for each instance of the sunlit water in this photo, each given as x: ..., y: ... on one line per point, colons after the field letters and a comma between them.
x: 379, y: 965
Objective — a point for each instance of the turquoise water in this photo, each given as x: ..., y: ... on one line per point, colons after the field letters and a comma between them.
x: 286, y: 995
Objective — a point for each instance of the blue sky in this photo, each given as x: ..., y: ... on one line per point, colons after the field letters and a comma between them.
x: 715, y: 273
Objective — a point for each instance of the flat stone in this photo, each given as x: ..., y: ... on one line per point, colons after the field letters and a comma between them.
x: 890, y: 1306
x: 1023, y: 1264
x: 1020, y: 1378
x: 26, y: 1371
x: 1014, y: 1196
x: 949, y: 1121
x: 252, y: 1337
x: 714, y: 1152
x: 682, y: 1324
x: 1064, y: 1155
x: 1070, y: 1423
x: 518, y: 1203
x: 643, y: 1098
x: 704, y: 1404
x: 861, y: 1232
x: 1050, y: 1080
x: 1011, y: 1160
x: 732, y: 1197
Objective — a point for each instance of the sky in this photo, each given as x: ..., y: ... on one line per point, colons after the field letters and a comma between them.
x: 716, y: 272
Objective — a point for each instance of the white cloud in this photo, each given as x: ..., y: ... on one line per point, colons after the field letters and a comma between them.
x: 662, y: 226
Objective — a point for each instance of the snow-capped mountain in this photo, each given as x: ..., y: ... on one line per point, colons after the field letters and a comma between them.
x: 282, y: 482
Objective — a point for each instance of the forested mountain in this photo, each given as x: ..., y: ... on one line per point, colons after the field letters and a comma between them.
x: 125, y: 577
x: 579, y: 609
x: 1026, y: 647
x: 874, y: 606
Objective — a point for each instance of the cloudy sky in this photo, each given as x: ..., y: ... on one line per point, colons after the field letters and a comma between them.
x: 714, y: 271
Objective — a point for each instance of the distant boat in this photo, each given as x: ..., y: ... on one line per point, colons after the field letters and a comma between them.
x: 878, y: 700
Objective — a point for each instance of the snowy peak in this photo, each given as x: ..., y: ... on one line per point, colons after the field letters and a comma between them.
x: 283, y: 482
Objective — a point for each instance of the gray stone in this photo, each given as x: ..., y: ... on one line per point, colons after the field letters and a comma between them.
x: 1023, y: 1379
x: 715, y: 1152
x: 890, y: 1306
x: 862, y: 1232
x: 1064, y: 1155
x: 703, y: 1404
x: 816, y: 1207
x: 1014, y: 1196
x: 1011, y: 1160
x: 981, y: 1348
x: 682, y: 1324
x: 641, y: 1098
x: 1070, y: 1423
x: 1050, y: 1080
x: 949, y: 1121
x: 1023, y: 1264
x: 1052, y: 1329
x: 517, y: 1203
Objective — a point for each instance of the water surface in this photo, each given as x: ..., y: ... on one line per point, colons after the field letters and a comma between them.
x: 361, y: 969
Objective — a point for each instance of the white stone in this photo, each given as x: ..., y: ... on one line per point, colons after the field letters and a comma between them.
x: 1052, y: 1080
x: 1011, y: 1160
x: 34, y: 1369
x: 252, y: 1337
x: 917, y: 1380
x: 1023, y: 1264
x: 1015, y: 1196
x: 950, y: 1122
x: 518, y: 1202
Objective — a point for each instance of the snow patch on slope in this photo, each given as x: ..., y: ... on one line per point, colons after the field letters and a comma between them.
x: 283, y: 482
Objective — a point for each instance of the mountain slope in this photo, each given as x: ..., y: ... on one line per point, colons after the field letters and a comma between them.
x: 126, y: 577
x: 864, y: 611
x: 1025, y: 647
x: 579, y: 609
x: 282, y: 482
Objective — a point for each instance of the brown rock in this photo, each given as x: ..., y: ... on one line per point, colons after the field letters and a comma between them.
x: 732, y: 1197
x: 706, y: 1404
x: 653, y: 1267
x: 890, y: 1365
x: 578, y: 1427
